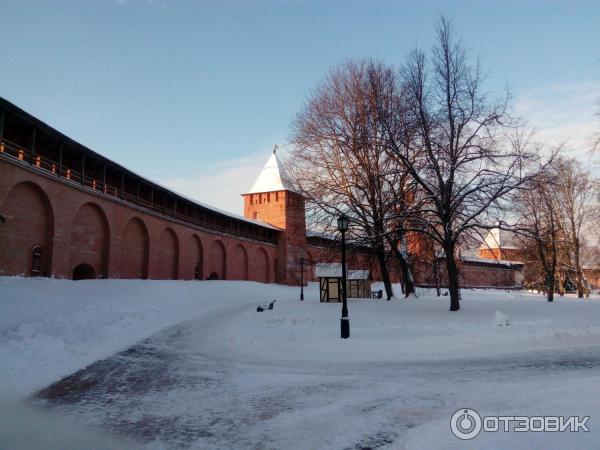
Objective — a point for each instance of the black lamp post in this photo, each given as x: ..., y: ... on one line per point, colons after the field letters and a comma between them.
x: 301, y: 279
x: 342, y: 224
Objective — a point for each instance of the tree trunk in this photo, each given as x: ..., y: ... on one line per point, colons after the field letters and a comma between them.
x: 408, y: 283
x: 453, y: 280
x: 385, y: 274
x: 551, y: 274
x: 561, y: 285
x: 436, y: 274
x: 579, y: 271
x: 550, y: 280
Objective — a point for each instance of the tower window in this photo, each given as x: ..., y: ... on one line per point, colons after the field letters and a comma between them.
x: 255, y: 215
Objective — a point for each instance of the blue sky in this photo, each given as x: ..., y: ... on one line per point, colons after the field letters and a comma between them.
x: 194, y: 93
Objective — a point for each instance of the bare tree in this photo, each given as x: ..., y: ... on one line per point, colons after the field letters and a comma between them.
x: 575, y: 189
x: 539, y: 228
x: 340, y: 165
x: 451, y: 139
x: 402, y: 191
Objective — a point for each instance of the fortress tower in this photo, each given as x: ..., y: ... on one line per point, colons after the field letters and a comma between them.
x: 500, y: 245
x: 273, y: 200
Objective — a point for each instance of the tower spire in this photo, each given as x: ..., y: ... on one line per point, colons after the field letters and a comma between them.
x: 273, y: 176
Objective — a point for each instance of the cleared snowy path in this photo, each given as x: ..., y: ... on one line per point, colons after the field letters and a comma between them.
x: 180, y: 389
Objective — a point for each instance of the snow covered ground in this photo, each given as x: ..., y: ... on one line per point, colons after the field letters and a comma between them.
x: 163, y: 364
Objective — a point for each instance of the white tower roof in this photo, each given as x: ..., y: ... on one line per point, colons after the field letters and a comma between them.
x: 503, y: 239
x: 273, y: 177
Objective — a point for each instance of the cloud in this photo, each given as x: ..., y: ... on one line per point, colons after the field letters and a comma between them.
x: 563, y: 113
x: 220, y: 185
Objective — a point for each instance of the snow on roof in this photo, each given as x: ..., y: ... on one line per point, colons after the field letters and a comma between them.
x: 503, y: 239
x: 204, y: 205
x: 273, y: 177
x: 132, y: 172
x: 358, y: 274
x: 215, y: 209
x: 334, y: 270
x: 324, y: 270
x: 500, y: 262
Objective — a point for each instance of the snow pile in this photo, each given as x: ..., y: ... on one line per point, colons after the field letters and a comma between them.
x: 501, y: 319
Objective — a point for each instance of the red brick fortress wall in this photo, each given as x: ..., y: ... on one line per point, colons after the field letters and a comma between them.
x: 473, y: 274
x: 74, y: 226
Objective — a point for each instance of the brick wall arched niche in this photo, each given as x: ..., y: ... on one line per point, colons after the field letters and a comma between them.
x: 89, y: 243
x: 238, y: 269
x: 261, y: 265
x: 217, y: 261
x: 195, y: 260
x: 134, y: 250
x: 168, y: 255
x: 26, y: 237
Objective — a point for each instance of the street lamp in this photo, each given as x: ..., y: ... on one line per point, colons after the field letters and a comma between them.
x: 301, y: 279
x: 342, y: 224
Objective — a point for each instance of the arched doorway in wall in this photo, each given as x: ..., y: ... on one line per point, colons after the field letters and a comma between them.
x: 134, y: 250
x: 239, y: 263
x: 261, y: 266
x: 90, y: 240
x: 217, y: 261
x: 168, y: 255
x: 26, y: 236
x: 196, y: 257
x: 84, y: 272
x: 213, y: 276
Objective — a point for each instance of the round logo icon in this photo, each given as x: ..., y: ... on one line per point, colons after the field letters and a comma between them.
x: 465, y: 423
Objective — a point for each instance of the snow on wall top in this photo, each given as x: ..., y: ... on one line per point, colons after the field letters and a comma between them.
x: 503, y: 239
x: 498, y: 262
x: 63, y: 137
x: 273, y: 177
x: 334, y: 270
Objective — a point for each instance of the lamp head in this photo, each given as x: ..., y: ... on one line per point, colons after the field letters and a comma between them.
x: 342, y: 223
